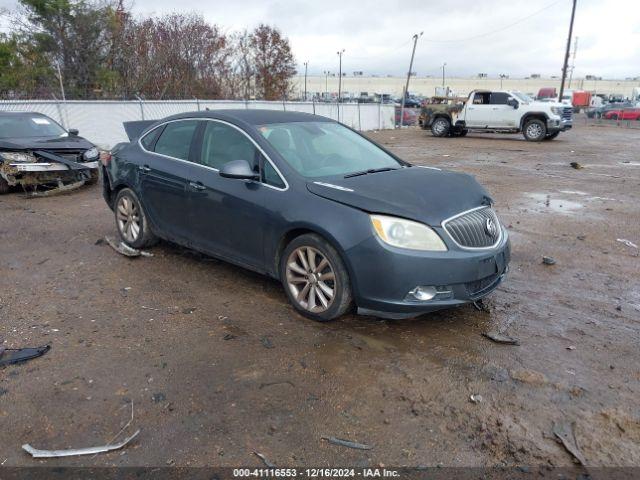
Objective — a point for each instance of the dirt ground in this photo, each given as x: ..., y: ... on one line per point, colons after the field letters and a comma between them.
x: 218, y: 365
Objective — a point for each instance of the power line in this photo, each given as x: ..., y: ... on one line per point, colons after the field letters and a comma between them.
x: 486, y: 34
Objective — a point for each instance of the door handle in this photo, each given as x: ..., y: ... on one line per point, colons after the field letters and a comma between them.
x: 144, y: 168
x: 470, y: 108
x: 197, y: 185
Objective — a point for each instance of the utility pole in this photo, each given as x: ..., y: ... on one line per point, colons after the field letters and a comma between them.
x: 573, y: 61
x: 566, y: 55
x: 305, y: 80
x: 340, y: 52
x: 443, y: 65
x: 406, y: 87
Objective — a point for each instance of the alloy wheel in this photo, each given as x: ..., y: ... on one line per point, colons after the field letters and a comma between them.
x: 440, y: 127
x: 534, y: 130
x: 128, y: 219
x: 311, y: 279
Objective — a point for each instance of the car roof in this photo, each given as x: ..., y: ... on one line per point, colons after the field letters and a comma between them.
x: 253, y: 116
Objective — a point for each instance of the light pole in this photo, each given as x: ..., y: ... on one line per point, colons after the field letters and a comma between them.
x: 340, y: 52
x: 326, y: 84
x: 566, y: 55
x: 305, y: 80
x: 406, y: 87
x: 502, y: 76
x: 443, y: 65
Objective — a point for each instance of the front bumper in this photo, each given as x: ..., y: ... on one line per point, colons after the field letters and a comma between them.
x: 47, y: 166
x: 384, y: 276
x: 559, y: 124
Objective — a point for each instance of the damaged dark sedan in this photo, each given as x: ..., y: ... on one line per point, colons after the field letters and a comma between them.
x: 39, y: 155
x: 339, y: 220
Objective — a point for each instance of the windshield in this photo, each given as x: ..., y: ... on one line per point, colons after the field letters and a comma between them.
x: 29, y: 126
x: 322, y: 149
x: 523, y: 96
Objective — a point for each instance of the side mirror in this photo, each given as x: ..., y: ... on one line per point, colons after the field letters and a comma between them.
x: 238, y: 169
x: 74, y: 132
x: 513, y: 102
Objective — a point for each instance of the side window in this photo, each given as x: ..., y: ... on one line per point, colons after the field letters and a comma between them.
x: 149, y: 140
x: 175, y: 140
x: 499, y: 98
x: 270, y: 176
x: 222, y: 144
x: 481, y: 98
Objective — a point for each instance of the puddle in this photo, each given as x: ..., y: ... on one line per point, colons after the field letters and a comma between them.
x: 545, y: 202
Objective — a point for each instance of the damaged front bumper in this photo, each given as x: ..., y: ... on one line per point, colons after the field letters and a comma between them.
x: 50, y: 171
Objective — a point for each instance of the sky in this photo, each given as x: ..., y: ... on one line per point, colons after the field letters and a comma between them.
x: 512, y: 37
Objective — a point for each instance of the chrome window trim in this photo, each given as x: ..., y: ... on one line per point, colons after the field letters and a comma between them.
x: 491, y: 247
x: 337, y: 187
x: 282, y: 177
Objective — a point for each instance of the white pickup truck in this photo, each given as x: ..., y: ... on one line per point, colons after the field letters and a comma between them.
x: 499, y: 111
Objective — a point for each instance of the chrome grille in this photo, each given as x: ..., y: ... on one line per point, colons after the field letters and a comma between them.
x: 567, y: 113
x: 472, y: 229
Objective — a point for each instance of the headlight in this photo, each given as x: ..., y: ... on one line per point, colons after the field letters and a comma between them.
x: 402, y: 233
x: 17, y: 157
x: 91, y: 154
x: 557, y: 110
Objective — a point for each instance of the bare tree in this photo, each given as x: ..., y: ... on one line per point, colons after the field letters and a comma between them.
x: 273, y: 62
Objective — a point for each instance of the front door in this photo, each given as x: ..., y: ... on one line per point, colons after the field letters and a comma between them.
x: 230, y: 216
x: 505, y: 116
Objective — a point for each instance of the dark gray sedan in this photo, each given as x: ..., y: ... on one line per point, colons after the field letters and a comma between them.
x: 339, y: 220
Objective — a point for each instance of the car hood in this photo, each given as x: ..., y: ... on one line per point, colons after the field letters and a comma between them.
x: 45, y: 143
x: 422, y: 194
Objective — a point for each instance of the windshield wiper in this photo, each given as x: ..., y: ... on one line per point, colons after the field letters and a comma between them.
x: 371, y: 170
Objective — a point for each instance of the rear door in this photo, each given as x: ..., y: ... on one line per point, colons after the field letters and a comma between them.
x: 479, y: 111
x: 230, y: 216
x: 163, y: 177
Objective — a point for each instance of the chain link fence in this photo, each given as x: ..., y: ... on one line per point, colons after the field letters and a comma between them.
x: 101, y: 121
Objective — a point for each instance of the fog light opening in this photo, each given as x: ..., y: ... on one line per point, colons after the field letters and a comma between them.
x: 422, y: 293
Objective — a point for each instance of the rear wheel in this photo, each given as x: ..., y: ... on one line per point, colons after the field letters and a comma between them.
x: 131, y: 220
x: 440, y: 127
x: 463, y: 132
x: 551, y: 136
x: 315, y: 278
x: 534, y: 130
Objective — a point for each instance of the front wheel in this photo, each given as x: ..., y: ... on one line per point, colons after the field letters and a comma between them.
x: 315, y: 278
x: 440, y: 127
x: 131, y: 220
x: 4, y: 186
x: 534, y: 130
x: 551, y: 136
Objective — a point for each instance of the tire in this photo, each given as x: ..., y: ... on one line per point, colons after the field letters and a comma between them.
x: 534, y: 130
x: 298, y: 276
x: 4, y: 186
x: 129, y: 213
x: 440, y: 127
x: 463, y: 132
x: 551, y: 136
x: 614, y: 117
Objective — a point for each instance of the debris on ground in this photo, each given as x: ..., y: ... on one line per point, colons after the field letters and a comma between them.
x: 266, y: 342
x: 188, y: 310
x: 265, y: 460
x: 37, y: 453
x: 9, y: 356
x: 581, y: 237
x: 565, y: 432
x: 110, y: 446
x: 628, y: 243
x: 124, y: 249
x: 475, y: 398
x: 548, y: 260
x: 501, y: 338
x: 529, y: 376
x: 347, y: 443
x: 576, y: 165
x: 571, y: 347
x: 481, y: 306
